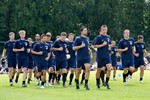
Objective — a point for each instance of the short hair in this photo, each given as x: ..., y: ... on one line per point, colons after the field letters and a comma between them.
x: 43, y: 35
x: 71, y: 34
x: 37, y: 34
x: 11, y: 33
x: 103, y: 26
x: 22, y: 31
x: 63, y: 34
x: 83, y: 27
x: 29, y: 38
x: 126, y: 30
x: 140, y: 37
x: 49, y: 34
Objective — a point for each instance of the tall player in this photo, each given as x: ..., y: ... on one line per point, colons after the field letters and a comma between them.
x: 83, y: 56
x: 140, y: 49
x: 22, y: 49
x: 126, y: 46
x: 102, y: 43
x: 11, y: 56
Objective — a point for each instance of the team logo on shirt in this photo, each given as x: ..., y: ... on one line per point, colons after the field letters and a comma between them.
x: 26, y: 44
x: 130, y: 42
x: 65, y: 45
x: 142, y: 46
x: 108, y: 39
x: 46, y: 47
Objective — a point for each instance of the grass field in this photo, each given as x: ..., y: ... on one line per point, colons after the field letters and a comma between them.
x: 133, y: 91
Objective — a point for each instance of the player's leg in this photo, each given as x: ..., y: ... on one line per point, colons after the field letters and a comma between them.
x: 78, y: 71
x: 51, y: 73
x: 83, y: 75
x: 43, y: 76
x: 108, y: 73
x: 87, y: 73
x: 30, y: 67
x: 114, y: 73
x: 72, y: 70
x: 64, y: 72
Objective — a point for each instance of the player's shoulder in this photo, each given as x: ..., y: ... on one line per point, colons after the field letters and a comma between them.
x: 108, y: 36
x: 131, y: 38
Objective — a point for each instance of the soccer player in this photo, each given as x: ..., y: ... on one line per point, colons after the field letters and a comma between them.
x: 30, y: 60
x: 37, y: 40
x: 42, y: 52
x: 140, y: 49
x: 22, y: 49
x: 51, y: 63
x: 11, y: 56
x: 72, y: 59
x: 102, y: 43
x: 114, y: 58
x: 60, y: 48
x: 126, y: 46
x: 83, y: 56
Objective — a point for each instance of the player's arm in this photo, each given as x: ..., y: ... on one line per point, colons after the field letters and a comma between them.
x: 90, y: 52
x: 4, y: 53
x: 56, y: 47
x: 99, y: 43
x: 15, y: 49
x: 35, y: 52
x: 78, y: 45
x: 120, y: 47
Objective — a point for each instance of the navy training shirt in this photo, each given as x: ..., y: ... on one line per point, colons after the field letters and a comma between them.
x: 140, y: 50
x: 123, y: 43
x: 50, y: 43
x: 9, y: 45
x: 60, y: 55
x: 71, y: 51
x: 30, y: 55
x: 82, y: 53
x: 41, y: 47
x: 20, y: 44
x: 114, y: 50
x: 104, y: 51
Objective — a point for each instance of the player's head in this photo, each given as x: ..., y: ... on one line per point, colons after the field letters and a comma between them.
x: 37, y: 37
x: 43, y: 38
x: 11, y: 35
x: 63, y: 36
x: 49, y: 35
x: 84, y: 30
x: 103, y: 30
x: 140, y: 38
x: 71, y: 36
x: 30, y: 40
x: 126, y: 33
x: 57, y: 37
x: 113, y: 43
x: 22, y: 34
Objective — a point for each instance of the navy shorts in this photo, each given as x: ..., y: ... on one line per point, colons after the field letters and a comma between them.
x: 22, y: 63
x: 41, y: 66
x: 30, y: 65
x: 138, y: 63
x: 114, y: 62
x: 126, y: 63
x: 61, y: 65
x: 101, y: 62
x: 80, y: 63
x: 51, y: 63
x: 71, y: 64
x: 12, y: 63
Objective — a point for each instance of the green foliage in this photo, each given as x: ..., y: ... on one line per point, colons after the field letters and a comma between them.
x: 41, y: 16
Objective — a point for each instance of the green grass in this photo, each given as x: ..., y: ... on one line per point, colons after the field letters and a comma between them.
x: 133, y: 91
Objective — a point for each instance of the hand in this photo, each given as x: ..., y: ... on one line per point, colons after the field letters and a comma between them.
x: 83, y: 44
x: 40, y: 53
x: 104, y: 43
x: 22, y: 49
x: 67, y: 50
x: 126, y: 49
x: 60, y: 49
x: 136, y: 54
x: 47, y: 58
